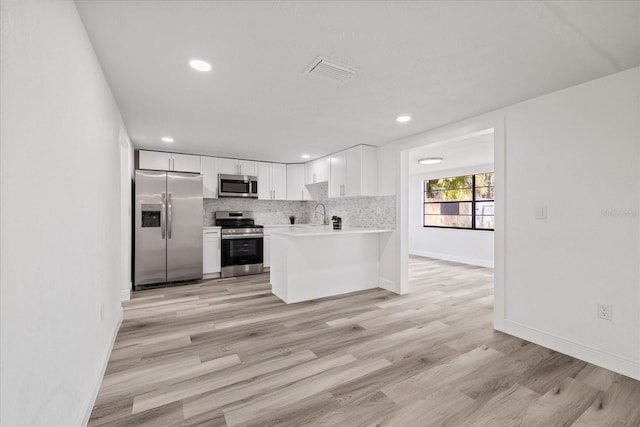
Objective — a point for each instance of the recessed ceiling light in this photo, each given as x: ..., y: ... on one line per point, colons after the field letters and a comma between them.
x: 200, y: 65
x: 167, y: 139
x: 305, y: 156
x: 431, y: 160
x: 403, y: 119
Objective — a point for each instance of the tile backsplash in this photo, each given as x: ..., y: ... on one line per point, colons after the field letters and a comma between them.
x: 361, y: 211
x: 265, y: 211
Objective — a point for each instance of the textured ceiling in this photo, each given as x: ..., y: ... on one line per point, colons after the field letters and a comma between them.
x: 436, y: 61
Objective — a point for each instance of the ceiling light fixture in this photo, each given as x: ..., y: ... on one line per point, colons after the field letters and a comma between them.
x: 167, y: 139
x: 403, y: 119
x: 200, y: 65
x: 431, y: 160
x: 305, y: 156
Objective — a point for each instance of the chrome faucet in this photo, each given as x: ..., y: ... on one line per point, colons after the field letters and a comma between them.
x: 325, y: 220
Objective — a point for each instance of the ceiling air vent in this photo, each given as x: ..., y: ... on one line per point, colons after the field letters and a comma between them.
x: 330, y: 70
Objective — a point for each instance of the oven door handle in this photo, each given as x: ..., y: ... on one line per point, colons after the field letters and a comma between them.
x: 241, y: 236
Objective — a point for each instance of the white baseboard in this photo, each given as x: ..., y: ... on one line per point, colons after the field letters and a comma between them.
x: 388, y: 285
x: 105, y: 361
x: 453, y: 258
x: 125, y: 294
x: 619, y: 364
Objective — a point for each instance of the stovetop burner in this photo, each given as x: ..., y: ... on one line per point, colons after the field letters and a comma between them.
x: 236, y: 219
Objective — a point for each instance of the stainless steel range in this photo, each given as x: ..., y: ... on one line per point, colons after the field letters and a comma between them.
x: 242, y: 243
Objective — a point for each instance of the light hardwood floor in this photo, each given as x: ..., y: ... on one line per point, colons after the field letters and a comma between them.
x: 227, y: 352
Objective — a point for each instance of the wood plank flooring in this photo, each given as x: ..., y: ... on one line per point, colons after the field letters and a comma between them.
x: 228, y: 353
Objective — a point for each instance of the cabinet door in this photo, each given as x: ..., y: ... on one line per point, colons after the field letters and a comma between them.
x: 296, y: 190
x: 216, y: 260
x: 154, y: 160
x: 279, y: 181
x: 247, y: 167
x: 266, y: 251
x: 353, y: 172
x: 309, y: 173
x: 209, y: 170
x: 322, y: 169
x: 338, y: 172
x: 185, y: 163
x: 228, y: 166
x: 264, y: 181
x: 210, y: 252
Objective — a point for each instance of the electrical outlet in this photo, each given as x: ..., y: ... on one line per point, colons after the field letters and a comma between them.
x: 605, y: 312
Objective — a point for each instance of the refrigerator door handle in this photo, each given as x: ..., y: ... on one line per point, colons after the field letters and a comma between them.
x: 169, y: 216
x: 163, y: 224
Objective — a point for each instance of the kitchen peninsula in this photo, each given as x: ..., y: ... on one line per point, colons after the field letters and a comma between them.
x: 317, y: 262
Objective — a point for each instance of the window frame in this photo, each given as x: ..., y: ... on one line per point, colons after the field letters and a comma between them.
x: 473, y: 202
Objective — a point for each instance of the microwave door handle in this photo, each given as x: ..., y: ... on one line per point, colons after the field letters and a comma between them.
x: 162, y: 219
x: 169, y: 215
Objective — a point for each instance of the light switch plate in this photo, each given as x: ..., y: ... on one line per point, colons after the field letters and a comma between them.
x: 541, y: 212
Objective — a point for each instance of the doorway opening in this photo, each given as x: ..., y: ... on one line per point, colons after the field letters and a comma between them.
x: 453, y: 218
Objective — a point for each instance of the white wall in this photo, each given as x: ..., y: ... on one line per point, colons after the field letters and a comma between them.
x: 60, y: 219
x: 577, y: 152
x: 473, y: 247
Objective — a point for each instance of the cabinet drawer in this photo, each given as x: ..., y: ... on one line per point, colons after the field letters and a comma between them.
x: 211, y: 233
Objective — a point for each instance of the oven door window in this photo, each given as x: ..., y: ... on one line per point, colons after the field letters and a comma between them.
x: 234, y: 186
x: 242, y: 251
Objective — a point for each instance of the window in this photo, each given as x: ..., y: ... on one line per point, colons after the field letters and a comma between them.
x: 460, y: 202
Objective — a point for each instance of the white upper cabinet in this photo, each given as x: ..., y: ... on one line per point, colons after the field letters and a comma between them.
x: 264, y: 181
x: 155, y: 160
x: 185, y: 163
x: 168, y: 161
x: 354, y: 172
x: 338, y: 174
x: 247, y: 167
x: 317, y: 171
x: 238, y: 167
x: 228, y: 166
x: 272, y: 181
x: 296, y: 190
x: 209, y: 171
x: 279, y: 181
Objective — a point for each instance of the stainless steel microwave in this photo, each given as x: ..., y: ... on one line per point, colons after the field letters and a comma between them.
x: 237, y: 186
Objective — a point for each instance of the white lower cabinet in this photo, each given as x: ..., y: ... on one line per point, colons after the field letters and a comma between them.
x: 266, y: 253
x: 211, y: 252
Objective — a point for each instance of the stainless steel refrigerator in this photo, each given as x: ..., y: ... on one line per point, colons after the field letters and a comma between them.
x: 168, y: 227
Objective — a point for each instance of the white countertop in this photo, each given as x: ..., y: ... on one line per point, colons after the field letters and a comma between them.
x: 324, y: 230
x: 291, y: 225
x: 211, y: 227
